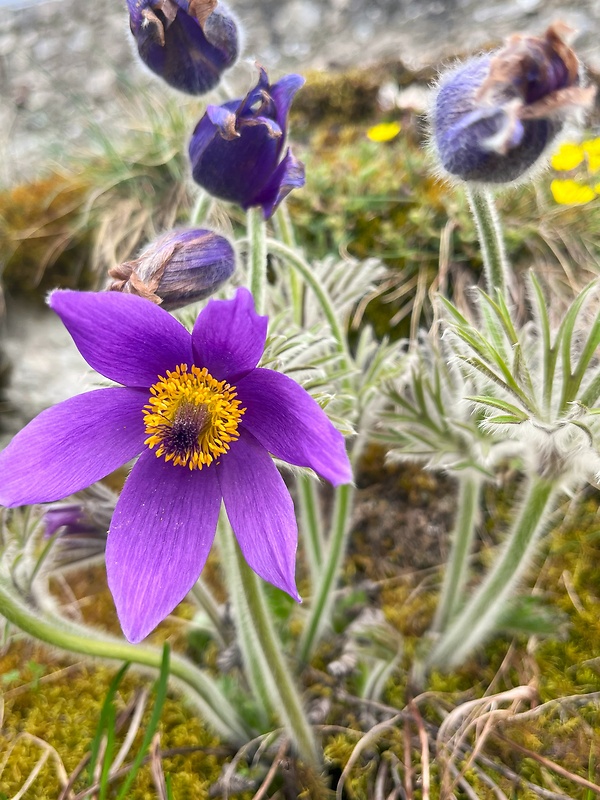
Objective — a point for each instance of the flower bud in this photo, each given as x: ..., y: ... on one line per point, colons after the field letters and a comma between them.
x: 179, y: 268
x: 188, y: 44
x: 236, y: 148
x: 495, y: 115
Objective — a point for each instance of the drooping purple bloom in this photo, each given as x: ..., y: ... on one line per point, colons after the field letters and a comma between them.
x: 188, y: 43
x: 236, y: 149
x: 205, y: 420
x: 495, y: 115
x: 181, y: 267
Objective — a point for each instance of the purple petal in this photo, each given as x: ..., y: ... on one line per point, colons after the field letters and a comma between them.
x: 292, y: 426
x: 160, y: 536
x: 123, y: 337
x: 72, y: 445
x: 223, y: 118
x: 283, y: 93
x: 289, y: 175
x: 229, y: 337
x: 261, y: 512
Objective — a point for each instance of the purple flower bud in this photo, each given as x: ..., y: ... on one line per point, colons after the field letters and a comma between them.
x: 70, y: 517
x: 188, y: 44
x: 236, y: 148
x: 179, y: 268
x: 496, y: 114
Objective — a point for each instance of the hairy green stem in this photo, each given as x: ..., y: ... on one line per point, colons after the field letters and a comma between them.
x: 455, y: 577
x: 257, y: 256
x: 214, y: 706
x: 322, y: 603
x: 493, y: 251
x: 201, y: 208
x: 278, y: 679
x: 285, y: 231
x: 308, y: 501
x: 253, y: 656
x: 207, y: 602
x: 477, y: 619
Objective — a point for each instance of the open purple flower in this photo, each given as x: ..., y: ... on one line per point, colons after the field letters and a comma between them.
x: 495, y: 115
x: 188, y: 43
x: 236, y: 148
x: 204, y: 418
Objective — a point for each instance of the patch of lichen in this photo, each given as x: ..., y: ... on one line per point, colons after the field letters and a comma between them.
x: 62, y: 708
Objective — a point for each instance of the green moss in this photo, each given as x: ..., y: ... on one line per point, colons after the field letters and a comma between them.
x: 63, y: 710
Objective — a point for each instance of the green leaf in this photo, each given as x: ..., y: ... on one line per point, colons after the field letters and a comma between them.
x: 104, y: 721
x: 502, y: 405
x: 533, y: 617
x: 503, y: 419
x: 160, y: 687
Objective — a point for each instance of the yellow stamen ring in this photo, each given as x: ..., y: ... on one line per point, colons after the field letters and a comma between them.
x: 191, y: 418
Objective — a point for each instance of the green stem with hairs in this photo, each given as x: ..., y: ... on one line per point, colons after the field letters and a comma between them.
x: 201, y: 208
x: 493, y: 251
x: 214, y: 706
x: 310, y: 516
x: 257, y: 256
x: 479, y: 616
x: 455, y: 577
x: 261, y: 650
x: 285, y: 231
x: 322, y: 603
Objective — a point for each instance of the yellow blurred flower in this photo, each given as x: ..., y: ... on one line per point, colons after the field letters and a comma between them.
x: 592, y: 146
x: 567, y: 157
x: 570, y: 193
x: 384, y: 132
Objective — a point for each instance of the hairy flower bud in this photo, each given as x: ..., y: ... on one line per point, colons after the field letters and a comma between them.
x: 179, y: 268
x: 236, y: 148
x: 188, y: 43
x: 494, y: 116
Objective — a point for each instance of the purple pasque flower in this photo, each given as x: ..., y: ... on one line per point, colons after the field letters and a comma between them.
x: 205, y: 420
x: 188, y: 43
x: 181, y: 267
x: 495, y: 115
x: 236, y: 148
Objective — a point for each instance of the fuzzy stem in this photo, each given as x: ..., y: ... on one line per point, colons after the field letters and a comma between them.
x: 455, y: 577
x: 253, y: 614
x: 255, y: 666
x: 477, y: 619
x: 214, y: 706
x: 208, y: 603
x: 489, y: 230
x: 321, y: 604
x: 285, y: 231
x: 308, y: 500
x: 201, y: 208
x: 257, y: 256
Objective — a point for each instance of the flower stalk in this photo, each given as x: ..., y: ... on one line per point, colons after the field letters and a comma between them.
x: 455, y: 576
x: 285, y: 231
x: 269, y: 673
x: 257, y: 257
x: 478, y: 617
x: 215, y: 708
x: 322, y: 603
x: 493, y: 251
